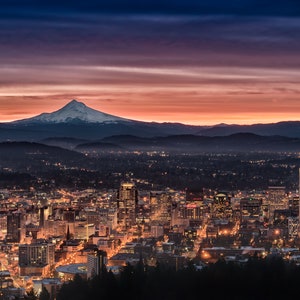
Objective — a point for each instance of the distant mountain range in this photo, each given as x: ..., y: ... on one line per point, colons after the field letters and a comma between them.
x: 78, y: 127
x: 240, y: 142
x: 189, y: 144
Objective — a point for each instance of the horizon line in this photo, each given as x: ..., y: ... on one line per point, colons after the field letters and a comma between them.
x: 153, y: 121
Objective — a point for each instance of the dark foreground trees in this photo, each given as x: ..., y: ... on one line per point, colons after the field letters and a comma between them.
x: 257, y: 279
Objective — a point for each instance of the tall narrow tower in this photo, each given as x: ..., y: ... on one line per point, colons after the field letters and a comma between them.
x: 127, y: 203
x: 15, y: 227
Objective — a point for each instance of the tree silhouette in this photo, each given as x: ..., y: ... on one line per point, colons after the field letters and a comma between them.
x: 259, y: 279
x: 31, y: 295
x: 44, y: 295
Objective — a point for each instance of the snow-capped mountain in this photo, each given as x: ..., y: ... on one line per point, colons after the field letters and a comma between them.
x: 78, y: 121
x: 74, y: 111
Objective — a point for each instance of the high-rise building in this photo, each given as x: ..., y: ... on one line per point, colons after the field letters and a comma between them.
x: 96, y: 263
x: 127, y: 203
x: 55, y: 228
x: 221, y: 207
x: 38, y: 253
x: 276, y: 199
x: 251, y: 209
x: 43, y: 215
x: 3, y: 225
x: 276, y: 194
x: 194, y: 195
x: 15, y: 227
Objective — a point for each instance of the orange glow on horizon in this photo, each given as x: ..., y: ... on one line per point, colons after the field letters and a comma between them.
x: 195, y: 96
x: 148, y: 113
x: 194, y: 68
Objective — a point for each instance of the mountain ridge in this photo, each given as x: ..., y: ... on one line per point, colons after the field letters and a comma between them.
x: 78, y: 121
x: 73, y: 111
x: 240, y: 142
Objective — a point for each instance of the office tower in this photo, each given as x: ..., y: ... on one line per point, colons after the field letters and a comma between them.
x: 127, y: 203
x: 251, y: 209
x: 221, y: 207
x: 3, y: 225
x: 277, y: 199
x: 155, y: 199
x: 161, y: 207
x: 194, y: 195
x: 55, y: 228
x: 38, y: 253
x: 15, y: 227
x: 96, y: 263
x: 276, y: 194
x: 44, y: 213
x: 192, y: 212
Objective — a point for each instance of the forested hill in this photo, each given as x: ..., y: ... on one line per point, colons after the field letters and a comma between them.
x: 259, y: 279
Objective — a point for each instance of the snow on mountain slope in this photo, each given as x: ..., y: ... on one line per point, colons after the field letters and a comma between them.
x: 74, y: 111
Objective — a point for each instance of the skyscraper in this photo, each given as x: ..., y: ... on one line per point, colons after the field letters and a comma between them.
x: 127, y: 203
x: 15, y: 227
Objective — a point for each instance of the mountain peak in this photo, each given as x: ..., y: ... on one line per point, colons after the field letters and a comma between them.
x: 74, y: 111
x: 74, y: 104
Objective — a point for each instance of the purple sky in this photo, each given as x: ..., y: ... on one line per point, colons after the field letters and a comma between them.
x: 151, y: 60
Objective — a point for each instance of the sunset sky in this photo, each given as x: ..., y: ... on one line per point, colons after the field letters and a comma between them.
x: 188, y: 61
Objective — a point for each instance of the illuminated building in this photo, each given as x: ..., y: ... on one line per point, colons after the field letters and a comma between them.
x: 32, y: 230
x: 36, y: 258
x: 277, y: 199
x: 96, y: 263
x: 83, y: 230
x: 213, y: 254
x: 194, y: 196
x: 127, y: 202
x: 276, y: 194
x: 160, y: 202
x: 54, y: 228
x: 221, y: 207
x: 93, y: 217
x: 157, y: 230
x: 52, y: 285
x: 190, y: 234
x: 15, y: 227
x: 194, y: 213
x: 3, y: 225
x: 68, y: 272
x: 251, y: 209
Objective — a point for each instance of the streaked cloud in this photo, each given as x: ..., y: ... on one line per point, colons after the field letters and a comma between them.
x: 185, y: 60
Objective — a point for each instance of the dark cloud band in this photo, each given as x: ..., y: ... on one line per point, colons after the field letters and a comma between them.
x: 245, y: 7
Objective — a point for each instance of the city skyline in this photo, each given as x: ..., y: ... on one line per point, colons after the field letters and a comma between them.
x: 186, y: 62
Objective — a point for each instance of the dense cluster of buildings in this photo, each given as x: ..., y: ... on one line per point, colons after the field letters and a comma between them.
x: 47, y: 238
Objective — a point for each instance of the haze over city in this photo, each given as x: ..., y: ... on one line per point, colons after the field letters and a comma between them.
x: 185, y: 61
